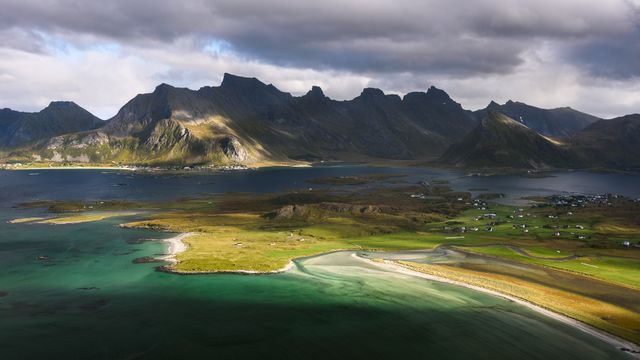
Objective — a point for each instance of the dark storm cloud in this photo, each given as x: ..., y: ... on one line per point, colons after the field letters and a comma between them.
x: 550, y: 53
x: 616, y: 57
x: 432, y: 36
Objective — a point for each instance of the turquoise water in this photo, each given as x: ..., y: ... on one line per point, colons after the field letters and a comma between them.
x: 72, y: 291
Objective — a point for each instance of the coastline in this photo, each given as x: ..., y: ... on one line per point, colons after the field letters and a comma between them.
x: 175, y: 247
x: 151, y: 168
x: 25, y: 168
x: 625, y: 346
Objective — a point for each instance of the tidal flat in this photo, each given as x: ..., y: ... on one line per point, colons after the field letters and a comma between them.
x: 262, y: 231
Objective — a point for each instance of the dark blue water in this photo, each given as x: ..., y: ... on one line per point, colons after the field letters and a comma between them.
x: 21, y: 186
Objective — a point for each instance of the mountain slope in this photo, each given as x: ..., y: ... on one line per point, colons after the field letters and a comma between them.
x: 610, y: 143
x: 60, y: 117
x: 558, y: 123
x: 246, y: 121
x: 499, y: 141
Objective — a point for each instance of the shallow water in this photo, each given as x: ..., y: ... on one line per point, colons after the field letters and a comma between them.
x: 72, y: 291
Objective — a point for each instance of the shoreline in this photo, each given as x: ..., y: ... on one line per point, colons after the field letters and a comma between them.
x: 625, y: 346
x: 176, y: 246
x: 151, y: 168
x: 70, y: 168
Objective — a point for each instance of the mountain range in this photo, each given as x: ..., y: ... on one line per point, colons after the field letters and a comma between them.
x: 245, y: 121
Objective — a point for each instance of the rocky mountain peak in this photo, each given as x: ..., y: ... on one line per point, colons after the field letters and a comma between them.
x: 369, y: 93
x: 230, y: 81
x: 68, y: 111
x: 164, y: 87
x: 316, y: 91
x: 493, y: 106
x: 433, y: 96
x: 315, y: 95
x: 61, y: 105
x: 436, y: 93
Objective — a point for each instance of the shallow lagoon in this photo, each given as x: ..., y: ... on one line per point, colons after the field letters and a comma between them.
x: 84, y: 298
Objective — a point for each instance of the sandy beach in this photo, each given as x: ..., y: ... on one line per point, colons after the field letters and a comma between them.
x: 175, y: 247
x: 630, y: 348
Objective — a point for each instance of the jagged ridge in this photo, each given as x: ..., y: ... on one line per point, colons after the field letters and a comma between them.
x: 244, y: 120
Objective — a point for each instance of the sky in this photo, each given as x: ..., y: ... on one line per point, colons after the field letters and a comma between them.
x: 548, y: 53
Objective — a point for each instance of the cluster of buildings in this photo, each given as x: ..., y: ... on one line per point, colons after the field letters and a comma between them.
x: 582, y: 200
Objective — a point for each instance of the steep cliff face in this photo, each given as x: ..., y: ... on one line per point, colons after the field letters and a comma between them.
x: 233, y: 149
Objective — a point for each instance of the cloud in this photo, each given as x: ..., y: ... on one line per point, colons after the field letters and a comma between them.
x: 487, y: 36
x: 541, y: 52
